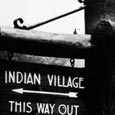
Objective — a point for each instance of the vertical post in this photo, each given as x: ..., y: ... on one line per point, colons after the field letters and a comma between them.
x: 100, y: 66
x: 93, y: 14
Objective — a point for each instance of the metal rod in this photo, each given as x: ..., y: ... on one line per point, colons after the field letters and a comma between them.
x: 44, y: 22
x: 55, y: 18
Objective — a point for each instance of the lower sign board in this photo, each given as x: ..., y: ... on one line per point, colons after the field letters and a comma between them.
x: 38, y: 89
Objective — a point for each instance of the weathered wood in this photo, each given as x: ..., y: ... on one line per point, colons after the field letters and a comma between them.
x: 79, y: 41
x: 57, y: 61
x: 34, y: 42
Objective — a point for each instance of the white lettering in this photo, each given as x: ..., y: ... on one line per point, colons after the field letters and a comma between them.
x: 68, y: 109
x: 22, y: 77
x: 45, y: 108
x: 20, y: 107
x: 63, y: 81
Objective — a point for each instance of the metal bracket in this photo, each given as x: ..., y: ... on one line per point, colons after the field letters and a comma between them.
x: 81, y: 1
x: 72, y: 61
x: 21, y: 21
x: 10, y: 55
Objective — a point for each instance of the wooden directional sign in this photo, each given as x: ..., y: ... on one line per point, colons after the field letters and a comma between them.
x: 38, y: 89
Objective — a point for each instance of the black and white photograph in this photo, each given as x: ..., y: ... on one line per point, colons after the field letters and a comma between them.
x: 57, y: 57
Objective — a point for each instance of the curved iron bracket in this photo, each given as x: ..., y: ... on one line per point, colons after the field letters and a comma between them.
x: 21, y: 21
x: 81, y: 1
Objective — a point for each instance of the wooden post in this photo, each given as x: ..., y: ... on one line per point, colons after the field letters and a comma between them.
x: 43, y: 43
x: 99, y: 21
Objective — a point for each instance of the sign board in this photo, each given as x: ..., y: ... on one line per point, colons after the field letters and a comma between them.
x: 38, y: 89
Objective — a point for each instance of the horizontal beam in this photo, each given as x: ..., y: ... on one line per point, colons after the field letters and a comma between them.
x: 44, y: 43
x: 56, y: 61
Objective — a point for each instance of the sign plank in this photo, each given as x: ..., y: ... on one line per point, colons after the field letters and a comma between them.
x: 39, y: 89
x: 44, y: 43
